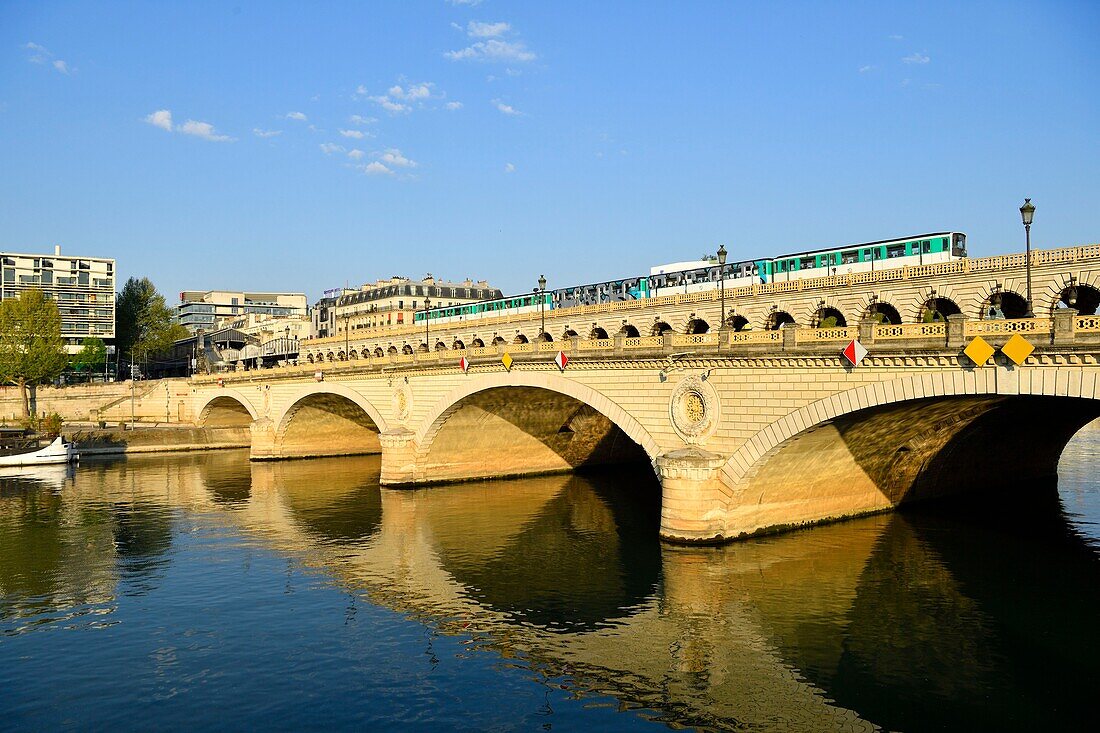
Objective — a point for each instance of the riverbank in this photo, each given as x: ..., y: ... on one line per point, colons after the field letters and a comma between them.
x: 161, y: 438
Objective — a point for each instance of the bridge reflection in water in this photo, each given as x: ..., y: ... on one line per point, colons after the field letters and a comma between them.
x: 908, y: 621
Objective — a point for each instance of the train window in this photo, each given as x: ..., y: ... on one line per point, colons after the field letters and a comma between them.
x: 926, y: 246
x: 808, y: 263
x: 897, y: 250
x: 848, y: 258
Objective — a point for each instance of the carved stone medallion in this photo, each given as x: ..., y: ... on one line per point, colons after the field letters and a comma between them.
x: 402, y: 402
x: 694, y: 410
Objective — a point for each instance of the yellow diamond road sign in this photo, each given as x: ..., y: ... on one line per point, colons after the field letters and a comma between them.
x: 978, y: 351
x: 507, y: 360
x: 1017, y: 348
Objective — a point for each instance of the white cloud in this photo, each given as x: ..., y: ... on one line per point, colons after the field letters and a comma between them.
x: 509, y: 168
x: 413, y: 92
x: 916, y: 58
x: 453, y: 105
x: 296, y: 116
x: 865, y: 69
x: 162, y: 118
x: 356, y: 154
x: 361, y: 90
x: 330, y: 148
x: 506, y: 108
x: 356, y: 134
x: 468, y: 3
x: 202, y: 129
x: 361, y: 120
x: 391, y: 106
x: 493, y: 50
x: 265, y: 133
x: 376, y: 169
x: 895, y: 37
x: 475, y: 29
x: 394, y: 157
x: 42, y: 55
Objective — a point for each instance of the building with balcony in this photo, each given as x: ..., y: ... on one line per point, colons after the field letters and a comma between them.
x: 392, y: 302
x: 82, y: 287
x: 210, y: 309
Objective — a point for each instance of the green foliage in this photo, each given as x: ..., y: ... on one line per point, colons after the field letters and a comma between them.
x: 92, y: 356
x: 827, y: 322
x: 144, y: 323
x: 32, y: 351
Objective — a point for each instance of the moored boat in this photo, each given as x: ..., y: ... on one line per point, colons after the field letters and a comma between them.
x: 56, y: 452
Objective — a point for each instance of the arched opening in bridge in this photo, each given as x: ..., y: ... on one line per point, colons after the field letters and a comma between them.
x: 629, y: 331
x: 736, y: 322
x: 341, y: 356
x: 936, y: 310
x: 513, y: 431
x: 353, y: 354
x: 310, y: 358
x: 597, y: 333
x: 777, y: 319
x: 440, y: 346
x: 829, y: 317
x: 458, y: 345
x: 325, y: 424
x: 697, y: 325
x: 660, y: 328
x: 392, y: 350
x: 545, y: 337
x: 406, y: 349
x: 477, y: 344
x: 1013, y: 305
x: 520, y: 339
x: 569, y: 334
x: 422, y: 348
x: 379, y: 353
x: 1005, y: 447
x: 883, y: 313
x: 330, y: 356
x: 498, y: 340
x: 1084, y: 298
x: 224, y: 412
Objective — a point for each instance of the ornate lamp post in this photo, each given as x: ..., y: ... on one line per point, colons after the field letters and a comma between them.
x: 542, y: 305
x: 1027, y: 213
x: 347, y: 335
x: 722, y: 283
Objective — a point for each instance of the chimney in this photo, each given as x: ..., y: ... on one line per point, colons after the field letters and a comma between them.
x: 57, y: 250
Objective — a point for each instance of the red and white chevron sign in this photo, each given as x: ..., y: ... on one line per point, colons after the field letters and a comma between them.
x: 464, y: 365
x: 854, y: 352
x: 561, y: 360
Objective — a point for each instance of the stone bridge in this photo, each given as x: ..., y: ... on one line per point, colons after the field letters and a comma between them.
x: 748, y: 431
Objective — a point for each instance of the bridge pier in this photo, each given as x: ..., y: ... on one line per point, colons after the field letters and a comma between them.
x: 692, y: 496
x: 398, y: 457
x: 263, y: 440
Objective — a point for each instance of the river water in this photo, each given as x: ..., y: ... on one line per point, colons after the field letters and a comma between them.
x: 205, y: 591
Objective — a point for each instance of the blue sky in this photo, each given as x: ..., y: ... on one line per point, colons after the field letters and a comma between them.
x: 299, y: 146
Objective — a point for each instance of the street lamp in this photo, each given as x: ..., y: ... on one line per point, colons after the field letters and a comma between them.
x: 1071, y: 292
x: 347, y: 336
x: 427, y: 305
x: 542, y: 305
x: 722, y: 287
x: 1027, y: 213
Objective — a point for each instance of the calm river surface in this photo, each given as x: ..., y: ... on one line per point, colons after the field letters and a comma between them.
x: 205, y: 591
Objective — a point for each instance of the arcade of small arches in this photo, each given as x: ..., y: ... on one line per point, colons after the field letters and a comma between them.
x: 997, y: 303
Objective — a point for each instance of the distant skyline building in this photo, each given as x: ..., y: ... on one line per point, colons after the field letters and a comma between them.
x: 82, y: 287
x: 209, y: 309
x: 393, y: 301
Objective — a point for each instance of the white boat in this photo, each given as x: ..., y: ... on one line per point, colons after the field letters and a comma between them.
x: 56, y: 452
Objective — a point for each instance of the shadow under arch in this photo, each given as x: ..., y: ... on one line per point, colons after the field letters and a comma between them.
x: 225, y: 408
x: 327, y: 419
x: 523, y: 423
x: 865, y: 451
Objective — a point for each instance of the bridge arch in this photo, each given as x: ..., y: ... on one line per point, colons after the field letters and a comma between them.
x: 225, y: 408
x: 533, y: 422
x: 873, y: 447
x: 326, y: 419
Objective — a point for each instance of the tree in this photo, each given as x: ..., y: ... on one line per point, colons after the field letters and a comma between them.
x: 144, y: 323
x: 92, y: 356
x: 32, y: 351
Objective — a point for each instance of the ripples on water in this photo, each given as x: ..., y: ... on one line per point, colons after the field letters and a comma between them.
x: 203, y: 590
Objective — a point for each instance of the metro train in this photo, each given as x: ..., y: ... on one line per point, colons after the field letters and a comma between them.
x: 696, y: 276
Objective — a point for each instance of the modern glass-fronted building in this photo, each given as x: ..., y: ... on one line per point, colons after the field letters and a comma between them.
x: 207, y: 309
